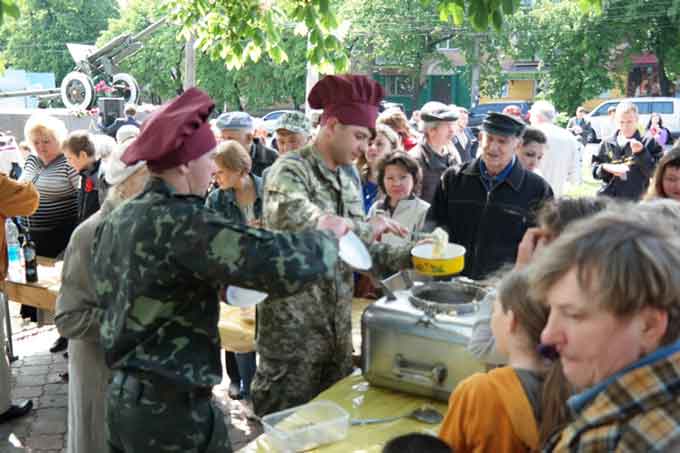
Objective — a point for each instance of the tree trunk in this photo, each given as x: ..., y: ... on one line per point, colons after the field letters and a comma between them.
x: 238, y: 97
x: 664, y: 83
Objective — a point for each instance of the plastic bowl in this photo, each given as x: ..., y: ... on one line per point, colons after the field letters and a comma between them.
x: 452, y: 262
x: 305, y: 427
x: 353, y: 252
x: 243, y: 297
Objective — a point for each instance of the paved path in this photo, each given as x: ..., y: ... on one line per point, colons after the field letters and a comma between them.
x: 36, y: 376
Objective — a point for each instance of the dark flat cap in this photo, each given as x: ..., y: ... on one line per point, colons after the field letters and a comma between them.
x: 502, y: 124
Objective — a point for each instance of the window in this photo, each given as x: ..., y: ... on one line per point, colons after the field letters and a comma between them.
x: 446, y: 45
x: 505, y: 90
x: 397, y: 85
x: 602, y: 111
x: 665, y: 108
x: 644, y: 108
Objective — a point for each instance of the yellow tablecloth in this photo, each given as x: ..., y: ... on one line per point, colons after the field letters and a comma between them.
x: 362, y: 400
x: 237, y: 333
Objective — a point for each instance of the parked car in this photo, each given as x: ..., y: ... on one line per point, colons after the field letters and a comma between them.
x: 668, y: 108
x: 480, y: 111
x: 269, y: 120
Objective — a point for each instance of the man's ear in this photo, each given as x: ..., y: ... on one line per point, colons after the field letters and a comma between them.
x: 332, y: 123
x: 183, y: 169
x: 654, y: 327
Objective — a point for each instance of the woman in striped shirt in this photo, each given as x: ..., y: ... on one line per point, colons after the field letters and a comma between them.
x: 57, y: 182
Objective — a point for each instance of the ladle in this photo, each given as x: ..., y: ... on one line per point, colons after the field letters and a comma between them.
x: 424, y: 415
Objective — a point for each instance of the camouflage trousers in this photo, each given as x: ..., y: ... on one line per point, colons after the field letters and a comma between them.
x: 284, y: 383
x: 144, y: 416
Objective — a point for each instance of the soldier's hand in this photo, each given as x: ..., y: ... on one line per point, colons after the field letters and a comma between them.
x: 382, y: 225
x: 635, y: 146
x: 337, y: 225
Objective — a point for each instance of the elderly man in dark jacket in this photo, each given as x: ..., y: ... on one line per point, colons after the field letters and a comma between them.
x: 239, y: 126
x: 626, y: 160
x: 435, y: 153
x: 487, y: 204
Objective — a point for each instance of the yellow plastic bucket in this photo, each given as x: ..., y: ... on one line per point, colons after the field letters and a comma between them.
x: 452, y: 261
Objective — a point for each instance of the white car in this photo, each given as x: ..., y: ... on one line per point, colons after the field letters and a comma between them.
x: 667, y: 108
x: 269, y: 120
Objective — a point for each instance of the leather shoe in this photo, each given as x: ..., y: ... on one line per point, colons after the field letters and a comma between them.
x: 16, y: 410
x: 234, y: 391
x: 60, y: 345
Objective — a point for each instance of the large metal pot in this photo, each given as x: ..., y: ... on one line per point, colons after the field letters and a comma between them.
x: 457, y: 297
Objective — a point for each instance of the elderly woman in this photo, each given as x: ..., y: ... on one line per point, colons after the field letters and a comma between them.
x: 78, y: 316
x: 666, y: 180
x: 613, y: 287
x: 384, y: 142
x: 435, y: 153
x: 57, y: 182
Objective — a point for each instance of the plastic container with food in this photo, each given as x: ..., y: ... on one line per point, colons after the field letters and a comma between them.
x: 451, y: 260
x: 305, y: 427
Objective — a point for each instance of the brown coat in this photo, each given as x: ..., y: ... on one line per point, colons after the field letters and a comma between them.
x: 16, y: 199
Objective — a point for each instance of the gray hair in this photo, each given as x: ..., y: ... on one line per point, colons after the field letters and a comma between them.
x: 429, y: 125
x: 624, y: 263
x: 544, y: 109
x: 103, y: 145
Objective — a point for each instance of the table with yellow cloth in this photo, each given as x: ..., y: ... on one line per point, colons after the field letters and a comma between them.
x: 363, y: 400
x: 237, y: 327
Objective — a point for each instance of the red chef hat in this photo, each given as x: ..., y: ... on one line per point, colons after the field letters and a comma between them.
x: 352, y: 99
x: 175, y: 134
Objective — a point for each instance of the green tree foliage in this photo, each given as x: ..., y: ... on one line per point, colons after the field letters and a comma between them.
x: 574, y: 47
x: 648, y: 26
x: 36, y: 40
x: 401, y: 34
x: 159, y: 66
x: 8, y: 8
x: 223, y: 33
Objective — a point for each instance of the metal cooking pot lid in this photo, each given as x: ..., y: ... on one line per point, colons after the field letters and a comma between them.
x: 456, y: 297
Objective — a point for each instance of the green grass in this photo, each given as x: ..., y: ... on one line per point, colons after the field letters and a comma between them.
x: 588, y: 186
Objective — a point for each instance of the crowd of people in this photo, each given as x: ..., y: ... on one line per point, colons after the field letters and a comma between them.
x: 154, y: 225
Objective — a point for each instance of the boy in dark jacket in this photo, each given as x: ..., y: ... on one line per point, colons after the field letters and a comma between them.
x: 79, y: 150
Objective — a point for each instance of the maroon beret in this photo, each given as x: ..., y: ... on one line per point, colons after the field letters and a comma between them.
x: 175, y: 134
x: 352, y: 99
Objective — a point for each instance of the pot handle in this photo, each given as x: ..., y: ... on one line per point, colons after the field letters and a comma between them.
x: 419, y: 373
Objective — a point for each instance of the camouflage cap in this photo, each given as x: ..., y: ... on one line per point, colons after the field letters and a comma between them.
x: 295, y: 122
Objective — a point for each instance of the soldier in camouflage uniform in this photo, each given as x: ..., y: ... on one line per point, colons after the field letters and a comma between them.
x: 304, y: 341
x: 159, y: 260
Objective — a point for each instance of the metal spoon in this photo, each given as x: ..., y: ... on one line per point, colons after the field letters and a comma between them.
x: 424, y: 415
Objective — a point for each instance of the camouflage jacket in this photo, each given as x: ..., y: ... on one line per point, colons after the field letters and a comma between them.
x: 159, y: 260
x: 299, y: 189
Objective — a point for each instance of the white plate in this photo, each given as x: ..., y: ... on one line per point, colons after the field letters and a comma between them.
x: 354, y: 252
x: 242, y: 297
